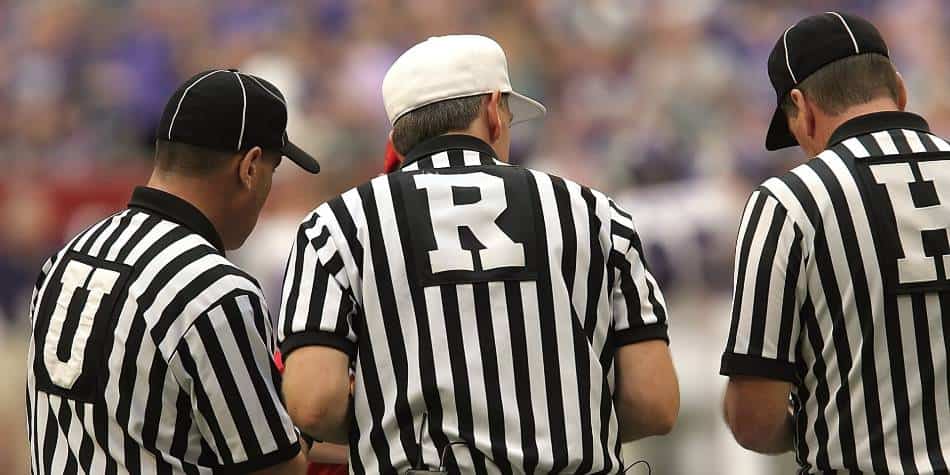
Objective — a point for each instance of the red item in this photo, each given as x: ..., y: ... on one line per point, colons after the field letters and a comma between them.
x: 313, y: 468
x: 393, y: 160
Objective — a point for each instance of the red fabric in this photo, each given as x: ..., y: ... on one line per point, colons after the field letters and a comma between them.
x: 393, y: 160
x: 314, y: 468
x: 326, y: 469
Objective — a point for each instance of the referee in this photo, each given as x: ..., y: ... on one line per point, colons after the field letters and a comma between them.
x: 500, y: 319
x: 842, y: 284
x: 150, y: 351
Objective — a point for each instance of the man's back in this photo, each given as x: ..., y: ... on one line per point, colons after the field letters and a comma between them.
x: 484, y: 299
x: 145, y: 340
x: 851, y: 284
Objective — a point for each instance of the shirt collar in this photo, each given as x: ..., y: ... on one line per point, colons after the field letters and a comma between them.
x: 876, y: 122
x: 175, y: 209
x: 447, y: 142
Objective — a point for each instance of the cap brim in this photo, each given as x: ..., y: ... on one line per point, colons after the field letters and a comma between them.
x: 301, y: 158
x: 779, y: 135
x: 524, y: 108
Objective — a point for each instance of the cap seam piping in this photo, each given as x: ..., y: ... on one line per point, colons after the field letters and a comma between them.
x: 787, y: 62
x: 243, y: 109
x: 182, y: 99
x: 854, y: 41
x: 268, y: 90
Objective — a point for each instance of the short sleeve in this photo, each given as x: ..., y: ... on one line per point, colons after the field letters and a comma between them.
x: 318, y: 305
x: 769, y: 290
x: 639, y: 310
x: 224, y: 363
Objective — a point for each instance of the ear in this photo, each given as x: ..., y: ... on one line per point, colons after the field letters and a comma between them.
x: 250, y: 167
x: 493, y: 109
x: 806, y: 112
x: 901, y: 92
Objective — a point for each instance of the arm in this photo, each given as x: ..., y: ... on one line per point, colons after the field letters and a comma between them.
x: 319, y: 409
x: 758, y: 413
x: 760, y: 354
x: 329, y: 453
x: 223, y: 364
x: 646, y: 392
x: 646, y: 409
x: 316, y: 336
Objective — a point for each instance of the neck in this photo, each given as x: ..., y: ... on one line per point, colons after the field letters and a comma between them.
x: 833, y: 122
x: 198, y: 193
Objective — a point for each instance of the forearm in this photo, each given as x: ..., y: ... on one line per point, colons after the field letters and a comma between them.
x: 329, y: 453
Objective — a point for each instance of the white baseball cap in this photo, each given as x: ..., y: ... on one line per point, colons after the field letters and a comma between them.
x: 450, y: 67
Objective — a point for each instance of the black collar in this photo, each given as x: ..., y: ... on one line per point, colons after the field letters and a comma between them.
x: 447, y: 142
x: 175, y: 209
x: 876, y: 122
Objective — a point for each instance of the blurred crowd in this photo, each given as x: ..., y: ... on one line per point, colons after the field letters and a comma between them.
x: 663, y: 103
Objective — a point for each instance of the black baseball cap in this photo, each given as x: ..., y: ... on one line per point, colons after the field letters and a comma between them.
x: 808, y: 46
x: 225, y: 109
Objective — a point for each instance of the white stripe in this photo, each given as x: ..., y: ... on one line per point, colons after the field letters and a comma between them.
x: 266, y: 89
x: 536, y: 377
x: 747, y: 299
x: 856, y: 148
x: 886, y: 143
x: 474, y: 367
x: 243, y: 109
x: 941, y: 144
x: 850, y: 33
x: 913, y: 140
x: 787, y: 62
x: 776, y: 293
x: 411, y: 167
x: 471, y: 158
x: 134, y: 224
x: 440, y: 160
x: 182, y: 98
x: 563, y: 324
x: 106, y: 233
x: 507, y: 381
x: 910, y: 359
x: 441, y: 354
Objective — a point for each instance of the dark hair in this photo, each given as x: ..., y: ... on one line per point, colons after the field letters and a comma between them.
x: 437, y: 119
x: 188, y: 160
x: 848, y: 82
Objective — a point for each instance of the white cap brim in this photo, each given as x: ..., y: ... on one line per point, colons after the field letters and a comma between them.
x: 524, y: 108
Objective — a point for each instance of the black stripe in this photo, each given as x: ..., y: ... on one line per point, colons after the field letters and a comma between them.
x: 221, y: 365
x: 268, y: 405
x: 301, y: 249
x: 595, y: 275
x: 900, y: 141
x: 871, y: 145
x: 862, y: 301
x: 136, y: 237
x: 494, y: 401
x: 456, y: 158
x: 549, y: 347
x: 822, y: 395
x: 183, y: 425
x: 522, y: 372
x: 744, y: 245
x: 86, y: 446
x: 189, y: 292
x: 183, y: 352
x: 763, y: 281
x: 390, y: 315
x: 110, y: 241
x: 928, y: 142
x: 658, y: 310
x: 152, y: 417
x: 832, y: 296
x: 48, y: 443
x: 460, y: 383
x: 789, y: 302
x: 899, y: 382
x: 927, y: 377
x: 95, y: 234
x: 430, y: 387
x: 345, y: 220
x: 65, y: 419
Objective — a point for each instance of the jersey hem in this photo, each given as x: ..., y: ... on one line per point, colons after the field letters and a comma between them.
x: 734, y: 364
x: 316, y: 338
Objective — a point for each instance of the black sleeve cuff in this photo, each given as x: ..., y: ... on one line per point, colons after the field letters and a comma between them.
x: 745, y: 365
x: 633, y: 335
x: 317, y: 338
x: 264, y: 461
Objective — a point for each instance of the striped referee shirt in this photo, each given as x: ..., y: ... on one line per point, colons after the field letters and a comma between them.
x: 486, y: 298
x: 151, y: 353
x: 842, y: 287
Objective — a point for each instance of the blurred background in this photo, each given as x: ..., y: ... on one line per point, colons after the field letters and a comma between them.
x: 661, y: 103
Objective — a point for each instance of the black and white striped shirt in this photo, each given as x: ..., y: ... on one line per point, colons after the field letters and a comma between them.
x: 151, y: 353
x: 489, y: 297
x: 842, y: 286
